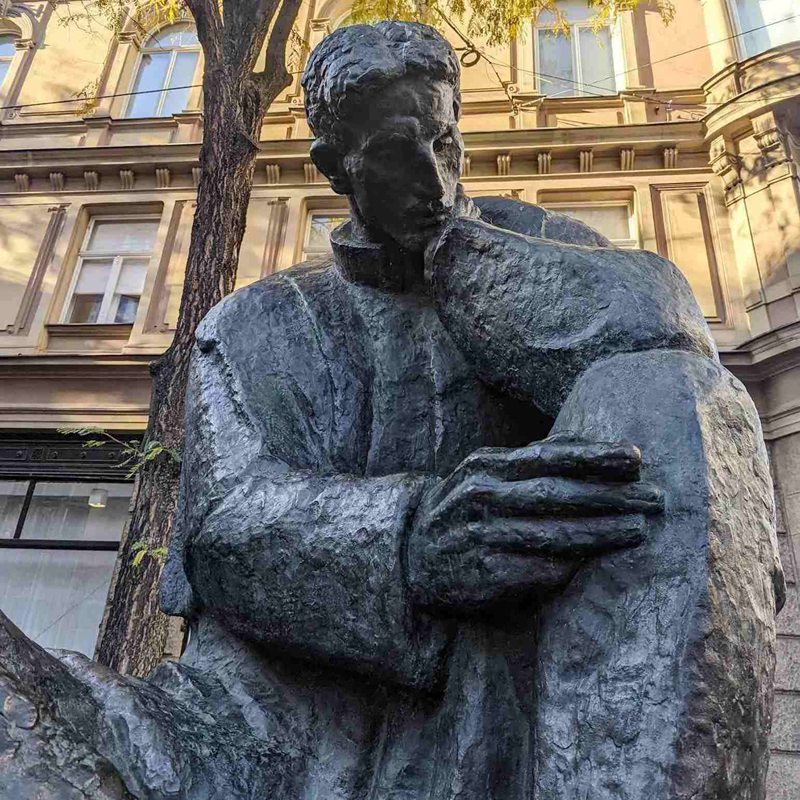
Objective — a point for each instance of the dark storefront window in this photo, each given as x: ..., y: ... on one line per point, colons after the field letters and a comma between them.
x: 61, y: 518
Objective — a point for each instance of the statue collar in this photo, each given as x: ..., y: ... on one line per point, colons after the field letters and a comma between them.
x: 368, y: 262
x: 365, y: 261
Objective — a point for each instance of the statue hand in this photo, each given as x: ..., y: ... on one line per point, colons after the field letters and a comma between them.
x: 514, y: 522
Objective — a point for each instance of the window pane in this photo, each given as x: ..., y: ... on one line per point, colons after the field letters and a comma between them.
x: 183, y: 35
x: 56, y: 597
x: 555, y: 62
x: 612, y: 221
x: 4, y: 66
x: 597, y: 61
x: 127, y: 306
x: 776, y: 20
x: 131, y: 276
x: 319, y: 233
x: 152, y: 75
x: 93, y: 276
x: 12, y: 494
x: 182, y: 76
x: 121, y: 236
x: 85, y: 308
x: 8, y: 47
x: 62, y: 511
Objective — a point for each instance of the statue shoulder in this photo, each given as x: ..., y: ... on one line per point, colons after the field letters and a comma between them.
x: 532, y: 220
x: 271, y: 303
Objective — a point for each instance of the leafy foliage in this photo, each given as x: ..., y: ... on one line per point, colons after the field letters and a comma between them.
x: 135, y: 454
x: 494, y: 21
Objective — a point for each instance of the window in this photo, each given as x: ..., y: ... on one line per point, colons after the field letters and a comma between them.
x: 583, y: 63
x: 58, y: 543
x: 615, y: 220
x: 318, y: 232
x: 111, y: 268
x: 770, y: 23
x: 8, y: 49
x: 165, y: 73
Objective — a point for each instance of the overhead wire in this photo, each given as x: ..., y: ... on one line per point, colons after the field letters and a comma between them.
x: 493, y: 63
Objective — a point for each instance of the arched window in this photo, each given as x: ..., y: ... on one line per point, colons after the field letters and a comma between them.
x: 8, y: 49
x: 166, y: 69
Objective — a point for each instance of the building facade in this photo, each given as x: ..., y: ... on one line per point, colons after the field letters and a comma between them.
x: 681, y: 139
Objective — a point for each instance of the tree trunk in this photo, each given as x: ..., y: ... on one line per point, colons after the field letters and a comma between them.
x: 135, y: 632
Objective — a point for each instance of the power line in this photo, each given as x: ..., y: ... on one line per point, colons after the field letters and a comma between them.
x: 492, y: 62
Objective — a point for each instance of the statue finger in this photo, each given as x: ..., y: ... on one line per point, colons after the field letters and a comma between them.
x: 560, y: 537
x: 617, y: 461
x: 483, y: 496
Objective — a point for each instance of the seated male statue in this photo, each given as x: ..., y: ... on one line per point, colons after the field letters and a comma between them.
x: 469, y: 510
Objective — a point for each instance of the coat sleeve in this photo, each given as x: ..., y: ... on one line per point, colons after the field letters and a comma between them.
x: 276, y: 541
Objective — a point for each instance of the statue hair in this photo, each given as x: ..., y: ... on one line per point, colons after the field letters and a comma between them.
x: 353, y: 62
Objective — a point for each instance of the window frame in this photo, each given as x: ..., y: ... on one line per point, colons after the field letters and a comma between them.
x: 633, y: 242
x: 739, y: 37
x: 35, y: 458
x: 8, y: 59
x: 305, y: 253
x: 582, y: 89
x: 117, y: 260
x: 18, y: 542
x: 173, y: 51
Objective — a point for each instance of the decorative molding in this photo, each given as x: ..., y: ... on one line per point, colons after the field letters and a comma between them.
x: 769, y: 139
x: 44, y: 256
x: 504, y: 165
x: 466, y: 165
x: 273, y: 173
x: 92, y: 180
x: 127, y: 179
x: 311, y: 173
x: 627, y: 159
x: 163, y: 178
x: 585, y: 160
x: 275, y: 234
x: 22, y: 181
x: 196, y: 172
x: 670, y: 158
x: 57, y: 181
x: 544, y: 162
x: 724, y: 161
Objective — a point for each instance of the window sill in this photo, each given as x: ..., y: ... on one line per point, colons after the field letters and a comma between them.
x: 81, y: 330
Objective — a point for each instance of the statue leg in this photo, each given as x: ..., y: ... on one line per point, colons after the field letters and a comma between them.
x: 655, y: 665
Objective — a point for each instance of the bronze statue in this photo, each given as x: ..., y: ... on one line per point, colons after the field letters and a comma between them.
x: 469, y: 510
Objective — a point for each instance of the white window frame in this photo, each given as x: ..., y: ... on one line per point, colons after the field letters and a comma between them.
x: 319, y: 212
x: 581, y: 89
x: 145, y: 50
x: 632, y: 242
x: 105, y: 316
x: 8, y: 59
x: 738, y: 29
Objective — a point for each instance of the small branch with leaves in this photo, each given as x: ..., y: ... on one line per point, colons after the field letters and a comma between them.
x: 135, y: 453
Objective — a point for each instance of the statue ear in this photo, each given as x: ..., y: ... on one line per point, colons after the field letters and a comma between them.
x: 330, y: 162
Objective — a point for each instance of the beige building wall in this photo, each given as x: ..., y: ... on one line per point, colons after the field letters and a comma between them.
x: 689, y: 148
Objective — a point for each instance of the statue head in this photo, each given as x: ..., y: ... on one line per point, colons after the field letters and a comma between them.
x: 383, y: 101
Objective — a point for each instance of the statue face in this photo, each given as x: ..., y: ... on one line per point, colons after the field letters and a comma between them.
x: 403, y: 167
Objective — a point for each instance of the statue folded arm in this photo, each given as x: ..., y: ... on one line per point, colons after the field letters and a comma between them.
x: 274, y: 536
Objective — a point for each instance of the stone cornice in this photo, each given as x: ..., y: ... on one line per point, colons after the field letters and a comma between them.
x: 563, y: 146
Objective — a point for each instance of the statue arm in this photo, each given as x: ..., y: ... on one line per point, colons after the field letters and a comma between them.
x: 272, y: 539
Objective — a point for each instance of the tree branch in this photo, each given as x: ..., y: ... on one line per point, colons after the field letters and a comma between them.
x: 275, y: 77
x: 246, y: 26
x: 208, y: 23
